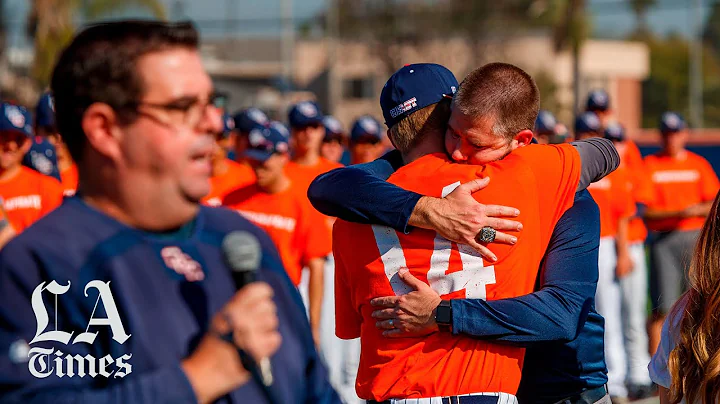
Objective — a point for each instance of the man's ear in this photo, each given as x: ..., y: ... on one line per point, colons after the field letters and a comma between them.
x: 100, y: 124
x: 523, y: 138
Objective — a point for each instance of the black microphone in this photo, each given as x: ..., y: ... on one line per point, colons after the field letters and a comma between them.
x: 242, y: 253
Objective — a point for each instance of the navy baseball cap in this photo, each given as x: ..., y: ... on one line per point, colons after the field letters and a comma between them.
x: 45, y: 110
x: 264, y: 142
x: 413, y: 88
x: 305, y: 113
x: 366, y: 127
x: 588, y: 122
x: 598, y: 100
x: 281, y: 128
x: 333, y: 127
x: 545, y: 123
x: 615, y: 132
x: 671, y: 122
x: 42, y: 158
x: 15, y: 118
x: 247, y: 119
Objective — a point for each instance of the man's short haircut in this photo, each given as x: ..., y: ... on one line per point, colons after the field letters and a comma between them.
x: 502, y: 92
x: 429, y: 121
x: 99, y: 66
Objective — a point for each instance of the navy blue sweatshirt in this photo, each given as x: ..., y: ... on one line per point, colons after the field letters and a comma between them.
x: 558, y: 323
x: 165, y: 311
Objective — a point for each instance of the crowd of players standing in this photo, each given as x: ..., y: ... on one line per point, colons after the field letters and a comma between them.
x: 262, y: 169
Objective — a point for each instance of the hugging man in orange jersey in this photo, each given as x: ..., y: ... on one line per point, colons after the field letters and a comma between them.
x: 488, y: 122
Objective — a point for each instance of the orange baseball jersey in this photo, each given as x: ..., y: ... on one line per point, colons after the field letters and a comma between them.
x: 614, y: 198
x: 69, y: 178
x: 302, y: 176
x: 541, y: 182
x: 679, y: 183
x: 237, y: 176
x: 28, y: 196
x: 288, y: 219
x: 641, y: 190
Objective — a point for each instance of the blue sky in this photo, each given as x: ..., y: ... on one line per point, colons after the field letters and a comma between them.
x: 611, y: 18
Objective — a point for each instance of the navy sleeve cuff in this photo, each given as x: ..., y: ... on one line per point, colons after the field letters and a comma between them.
x: 407, y: 211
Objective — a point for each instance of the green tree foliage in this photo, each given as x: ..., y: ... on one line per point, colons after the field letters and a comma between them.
x: 52, y: 23
x: 667, y: 87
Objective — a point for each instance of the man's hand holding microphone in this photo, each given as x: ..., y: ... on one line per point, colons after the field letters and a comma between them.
x: 248, y: 324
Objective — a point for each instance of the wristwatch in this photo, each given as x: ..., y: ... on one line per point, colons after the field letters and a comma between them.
x: 443, y: 316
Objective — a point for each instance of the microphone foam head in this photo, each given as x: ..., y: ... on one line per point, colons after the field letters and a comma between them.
x: 242, y: 251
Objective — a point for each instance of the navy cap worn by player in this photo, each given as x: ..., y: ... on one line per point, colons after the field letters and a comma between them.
x: 335, y: 141
x: 42, y: 154
x: 280, y: 128
x: 366, y: 140
x: 306, y: 129
x: 598, y: 101
x: 222, y: 143
x: 140, y: 122
x: 245, y: 121
x: 547, y: 129
x: 588, y: 125
x: 615, y: 132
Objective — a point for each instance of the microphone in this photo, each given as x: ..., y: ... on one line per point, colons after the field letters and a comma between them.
x: 242, y: 253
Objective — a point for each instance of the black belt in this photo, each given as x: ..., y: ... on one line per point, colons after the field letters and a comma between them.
x: 586, y: 397
x: 455, y: 400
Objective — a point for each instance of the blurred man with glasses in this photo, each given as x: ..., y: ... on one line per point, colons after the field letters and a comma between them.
x: 136, y: 109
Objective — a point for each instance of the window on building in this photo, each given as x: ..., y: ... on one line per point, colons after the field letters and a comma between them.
x: 358, y: 87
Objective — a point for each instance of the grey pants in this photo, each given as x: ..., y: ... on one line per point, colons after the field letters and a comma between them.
x: 670, y: 255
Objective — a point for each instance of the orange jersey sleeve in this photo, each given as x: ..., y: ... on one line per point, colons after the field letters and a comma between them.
x: 317, y: 238
x: 708, y: 180
x: 368, y: 259
x: 631, y: 158
x: 52, y: 194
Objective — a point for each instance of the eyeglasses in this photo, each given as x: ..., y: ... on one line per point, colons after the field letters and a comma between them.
x: 186, y: 111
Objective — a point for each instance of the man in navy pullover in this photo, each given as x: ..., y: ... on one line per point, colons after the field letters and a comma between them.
x: 121, y: 295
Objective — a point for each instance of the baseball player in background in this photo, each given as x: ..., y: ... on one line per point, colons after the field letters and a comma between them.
x: 598, y: 101
x: 634, y: 286
x: 335, y: 141
x: 28, y: 195
x: 45, y: 128
x: 613, y: 197
x: 227, y: 175
x: 245, y: 121
x: 365, y: 140
x: 684, y: 185
x: 361, y: 275
x: 281, y: 208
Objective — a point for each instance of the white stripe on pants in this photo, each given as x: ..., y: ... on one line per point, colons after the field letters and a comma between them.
x: 607, y: 303
x: 634, y: 313
x: 342, y: 357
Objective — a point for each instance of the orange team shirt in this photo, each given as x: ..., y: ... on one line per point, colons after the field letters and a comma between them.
x: 288, y: 219
x: 641, y: 189
x: 69, y: 178
x: 614, y: 198
x: 302, y: 176
x: 541, y: 182
x: 679, y: 183
x: 237, y: 176
x: 28, y: 196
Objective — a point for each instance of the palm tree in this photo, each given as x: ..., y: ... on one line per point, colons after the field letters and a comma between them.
x: 640, y: 8
x: 51, y: 25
